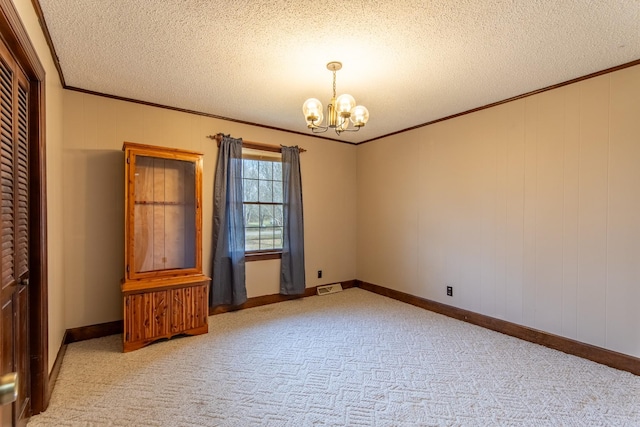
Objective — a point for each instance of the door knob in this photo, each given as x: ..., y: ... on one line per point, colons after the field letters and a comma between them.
x: 8, y: 388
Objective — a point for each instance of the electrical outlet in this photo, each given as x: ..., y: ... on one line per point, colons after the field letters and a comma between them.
x: 450, y: 291
x: 319, y: 274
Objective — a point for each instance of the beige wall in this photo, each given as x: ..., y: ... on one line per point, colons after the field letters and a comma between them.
x: 53, y: 131
x: 93, y: 191
x: 530, y: 210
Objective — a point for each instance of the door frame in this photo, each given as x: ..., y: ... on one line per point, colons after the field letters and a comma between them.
x: 17, y: 40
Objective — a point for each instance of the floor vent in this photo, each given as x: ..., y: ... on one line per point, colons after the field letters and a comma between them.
x: 329, y: 289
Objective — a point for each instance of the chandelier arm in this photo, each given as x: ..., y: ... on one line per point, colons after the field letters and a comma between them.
x: 343, y: 121
x: 348, y: 130
x: 313, y: 126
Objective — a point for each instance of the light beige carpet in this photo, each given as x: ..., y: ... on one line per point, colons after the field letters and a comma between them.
x: 348, y: 359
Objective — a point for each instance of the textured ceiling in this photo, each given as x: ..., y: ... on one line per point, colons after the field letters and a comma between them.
x: 408, y: 62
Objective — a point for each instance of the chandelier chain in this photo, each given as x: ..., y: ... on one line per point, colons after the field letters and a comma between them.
x: 334, y: 83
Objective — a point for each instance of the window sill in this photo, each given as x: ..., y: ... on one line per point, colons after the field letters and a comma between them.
x: 262, y: 255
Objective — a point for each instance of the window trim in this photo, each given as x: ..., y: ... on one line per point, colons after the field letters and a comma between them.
x: 250, y: 256
x: 262, y: 254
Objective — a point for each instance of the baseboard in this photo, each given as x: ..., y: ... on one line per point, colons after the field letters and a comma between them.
x: 53, y: 375
x: 93, y: 331
x: 601, y: 355
x: 272, y: 299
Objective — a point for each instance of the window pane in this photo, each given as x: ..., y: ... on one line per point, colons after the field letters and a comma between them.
x: 251, y: 239
x: 277, y: 238
x: 250, y: 188
x: 266, y: 238
x: 277, y: 215
x: 266, y: 191
x: 251, y: 215
x: 277, y: 191
x: 277, y: 171
x: 266, y: 215
x: 250, y: 169
x: 266, y: 170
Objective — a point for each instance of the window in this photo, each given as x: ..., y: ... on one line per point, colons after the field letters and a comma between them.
x: 262, y: 186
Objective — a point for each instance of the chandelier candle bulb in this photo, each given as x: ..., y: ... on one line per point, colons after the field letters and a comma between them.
x: 345, y: 103
x: 359, y: 115
x: 312, y: 110
x: 339, y: 110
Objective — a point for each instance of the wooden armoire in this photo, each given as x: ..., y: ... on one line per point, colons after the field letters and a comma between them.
x: 164, y: 291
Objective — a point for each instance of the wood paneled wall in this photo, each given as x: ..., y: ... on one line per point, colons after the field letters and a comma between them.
x: 530, y: 210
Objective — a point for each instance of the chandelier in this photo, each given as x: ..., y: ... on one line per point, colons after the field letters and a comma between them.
x: 339, y: 111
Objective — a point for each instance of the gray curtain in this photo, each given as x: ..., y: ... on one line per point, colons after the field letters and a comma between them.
x: 228, y: 284
x: 292, y: 280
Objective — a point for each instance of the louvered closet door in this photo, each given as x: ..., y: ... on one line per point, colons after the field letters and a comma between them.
x: 14, y: 235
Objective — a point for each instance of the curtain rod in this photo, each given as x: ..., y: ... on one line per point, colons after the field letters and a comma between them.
x: 254, y: 145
